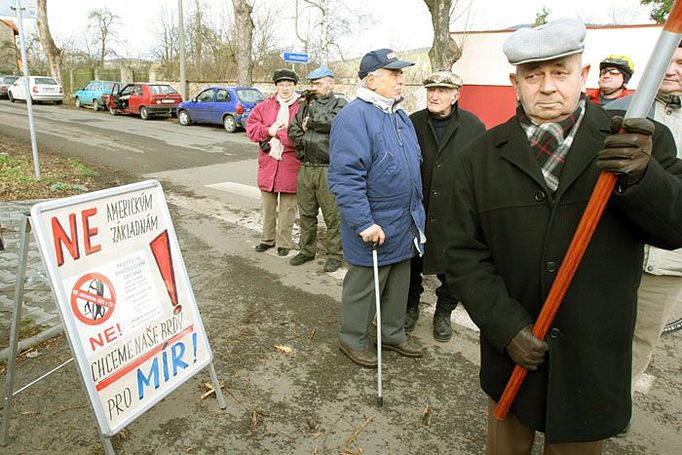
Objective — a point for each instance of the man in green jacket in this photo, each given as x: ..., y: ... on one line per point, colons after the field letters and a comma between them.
x: 310, y: 133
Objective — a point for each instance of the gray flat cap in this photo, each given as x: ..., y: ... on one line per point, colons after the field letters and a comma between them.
x: 555, y: 39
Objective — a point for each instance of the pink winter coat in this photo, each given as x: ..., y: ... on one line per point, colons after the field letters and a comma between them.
x: 275, y: 176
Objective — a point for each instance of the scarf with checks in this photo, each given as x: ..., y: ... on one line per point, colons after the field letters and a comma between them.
x: 550, y: 141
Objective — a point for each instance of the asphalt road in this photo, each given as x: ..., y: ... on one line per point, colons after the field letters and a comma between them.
x: 312, y: 401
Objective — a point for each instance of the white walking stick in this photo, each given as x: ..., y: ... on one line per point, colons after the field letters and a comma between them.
x: 377, y: 299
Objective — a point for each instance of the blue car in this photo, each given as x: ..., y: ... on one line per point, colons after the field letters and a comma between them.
x: 91, y: 94
x: 227, y: 106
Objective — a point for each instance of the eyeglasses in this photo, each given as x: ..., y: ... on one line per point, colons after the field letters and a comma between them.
x: 609, y: 71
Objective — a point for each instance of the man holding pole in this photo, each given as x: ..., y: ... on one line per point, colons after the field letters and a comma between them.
x: 519, y: 193
x: 374, y: 173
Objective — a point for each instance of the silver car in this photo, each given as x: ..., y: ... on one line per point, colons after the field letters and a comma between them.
x: 5, y: 82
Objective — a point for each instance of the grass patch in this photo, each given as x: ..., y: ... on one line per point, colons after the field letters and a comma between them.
x: 60, y: 177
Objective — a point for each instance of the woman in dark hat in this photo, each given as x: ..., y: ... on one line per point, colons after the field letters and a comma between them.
x: 277, y: 163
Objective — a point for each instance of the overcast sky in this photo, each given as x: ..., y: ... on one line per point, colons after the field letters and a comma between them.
x: 400, y: 24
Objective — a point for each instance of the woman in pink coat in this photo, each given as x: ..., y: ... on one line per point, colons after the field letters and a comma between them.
x: 277, y: 162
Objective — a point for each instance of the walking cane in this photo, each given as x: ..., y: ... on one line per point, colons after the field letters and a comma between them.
x: 665, y: 47
x: 377, y: 299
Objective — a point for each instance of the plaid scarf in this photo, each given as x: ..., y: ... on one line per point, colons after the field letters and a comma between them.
x: 551, y: 141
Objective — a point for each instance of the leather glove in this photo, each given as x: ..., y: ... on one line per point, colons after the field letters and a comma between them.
x: 628, y: 153
x: 526, y: 350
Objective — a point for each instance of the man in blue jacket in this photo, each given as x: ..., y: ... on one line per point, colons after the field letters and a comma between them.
x: 374, y: 173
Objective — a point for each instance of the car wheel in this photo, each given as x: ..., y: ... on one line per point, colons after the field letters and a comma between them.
x: 184, y: 118
x: 112, y: 110
x: 144, y: 113
x: 230, y: 124
x: 11, y: 98
x: 95, y: 105
x: 78, y: 103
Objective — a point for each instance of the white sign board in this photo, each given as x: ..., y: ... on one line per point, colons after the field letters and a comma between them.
x: 124, y: 296
x: 8, y: 9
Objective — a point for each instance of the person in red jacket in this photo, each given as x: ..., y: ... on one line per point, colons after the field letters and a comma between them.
x: 277, y: 163
x: 614, y: 72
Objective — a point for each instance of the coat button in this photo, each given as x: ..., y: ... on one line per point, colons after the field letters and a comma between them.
x: 550, y: 267
x: 540, y: 196
x: 649, y: 268
x: 554, y: 333
x: 438, y: 165
x: 432, y: 218
x: 434, y: 192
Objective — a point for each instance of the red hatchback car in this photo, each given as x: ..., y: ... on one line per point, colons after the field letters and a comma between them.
x: 147, y: 100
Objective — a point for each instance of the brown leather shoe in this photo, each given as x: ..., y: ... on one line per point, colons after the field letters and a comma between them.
x: 367, y: 358
x: 408, y: 348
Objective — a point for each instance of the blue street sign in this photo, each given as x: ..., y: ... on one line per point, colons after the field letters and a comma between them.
x: 292, y: 57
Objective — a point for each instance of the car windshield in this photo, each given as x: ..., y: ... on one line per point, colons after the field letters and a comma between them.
x: 107, y: 86
x: 162, y: 89
x: 250, y: 96
x: 45, y: 81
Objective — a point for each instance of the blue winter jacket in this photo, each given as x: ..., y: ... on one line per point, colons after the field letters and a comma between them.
x: 374, y: 173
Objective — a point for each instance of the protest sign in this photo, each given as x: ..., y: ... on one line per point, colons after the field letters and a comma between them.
x: 124, y: 296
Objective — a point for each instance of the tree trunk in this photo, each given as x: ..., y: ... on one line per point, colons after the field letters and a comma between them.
x: 54, y: 54
x: 244, y: 26
x: 444, y: 51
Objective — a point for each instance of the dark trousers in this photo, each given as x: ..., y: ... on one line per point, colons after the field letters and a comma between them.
x: 446, y: 299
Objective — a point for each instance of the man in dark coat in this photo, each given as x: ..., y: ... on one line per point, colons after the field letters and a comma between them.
x: 443, y: 129
x: 519, y: 192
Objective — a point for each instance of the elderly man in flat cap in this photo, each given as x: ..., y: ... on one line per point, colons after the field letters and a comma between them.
x: 310, y: 133
x: 443, y: 129
x: 519, y: 191
x: 374, y: 173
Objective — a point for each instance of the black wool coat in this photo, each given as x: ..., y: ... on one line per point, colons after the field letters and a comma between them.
x: 506, y: 239
x: 437, y: 175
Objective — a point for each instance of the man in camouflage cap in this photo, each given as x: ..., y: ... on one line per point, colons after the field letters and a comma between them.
x: 442, y: 129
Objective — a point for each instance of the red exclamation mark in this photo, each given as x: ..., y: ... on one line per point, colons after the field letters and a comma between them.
x: 161, y: 250
x: 118, y: 327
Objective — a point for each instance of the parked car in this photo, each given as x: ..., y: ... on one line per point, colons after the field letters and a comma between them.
x: 42, y: 88
x: 227, y: 106
x: 141, y: 98
x: 91, y: 94
x: 5, y: 82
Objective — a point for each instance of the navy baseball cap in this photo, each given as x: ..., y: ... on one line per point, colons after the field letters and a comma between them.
x: 381, y: 58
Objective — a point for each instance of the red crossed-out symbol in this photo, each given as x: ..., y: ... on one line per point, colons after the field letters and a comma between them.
x: 93, y: 299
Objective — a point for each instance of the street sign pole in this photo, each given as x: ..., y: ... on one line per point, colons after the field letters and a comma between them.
x: 27, y: 89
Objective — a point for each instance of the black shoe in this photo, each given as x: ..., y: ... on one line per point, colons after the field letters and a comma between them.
x: 300, y: 259
x: 332, y: 265
x: 442, y: 330
x: 411, y: 317
x: 263, y: 247
x: 282, y: 251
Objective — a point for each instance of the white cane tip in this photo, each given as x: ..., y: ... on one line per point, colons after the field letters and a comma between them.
x: 380, y: 401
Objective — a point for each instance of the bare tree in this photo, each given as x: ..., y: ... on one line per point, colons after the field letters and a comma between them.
x: 53, y: 53
x: 327, y: 27
x: 104, y: 23
x: 244, y: 36
x: 444, y: 50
